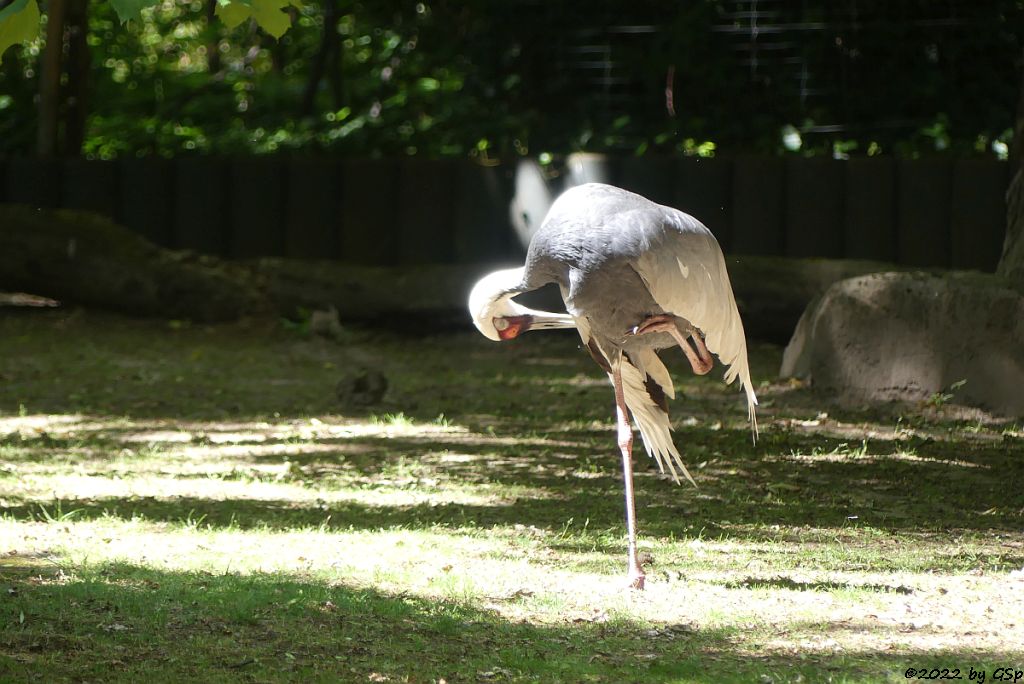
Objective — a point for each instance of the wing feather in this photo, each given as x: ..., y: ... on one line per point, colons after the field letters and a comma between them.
x: 686, y: 274
x: 652, y: 420
x: 648, y: 413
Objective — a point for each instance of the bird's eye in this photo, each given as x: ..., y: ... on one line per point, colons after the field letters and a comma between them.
x: 499, y: 324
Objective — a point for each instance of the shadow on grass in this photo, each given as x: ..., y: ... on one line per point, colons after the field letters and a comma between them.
x: 123, y: 622
x: 741, y: 491
x: 152, y: 624
x: 758, y: 511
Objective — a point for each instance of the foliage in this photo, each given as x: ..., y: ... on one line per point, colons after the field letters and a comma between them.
x: 19, y: 23
x: 497, y: 79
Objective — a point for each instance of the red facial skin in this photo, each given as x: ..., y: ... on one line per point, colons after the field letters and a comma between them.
x: 514, y: 326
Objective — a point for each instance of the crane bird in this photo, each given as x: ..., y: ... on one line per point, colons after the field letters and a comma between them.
x: 635, y: 277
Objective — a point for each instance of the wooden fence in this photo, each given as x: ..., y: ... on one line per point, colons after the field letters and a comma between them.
x: 937, y: 212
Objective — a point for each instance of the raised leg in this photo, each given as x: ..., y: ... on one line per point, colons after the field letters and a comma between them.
x: 625, y: 437
x: 699, y: 358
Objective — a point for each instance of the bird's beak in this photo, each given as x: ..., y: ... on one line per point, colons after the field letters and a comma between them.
x: 509, y: 327
x: 551, y: 321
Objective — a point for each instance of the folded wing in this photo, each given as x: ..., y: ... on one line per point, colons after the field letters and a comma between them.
x: 685, y: 272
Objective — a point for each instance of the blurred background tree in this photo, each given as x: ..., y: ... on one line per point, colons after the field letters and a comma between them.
x: 451, y: 79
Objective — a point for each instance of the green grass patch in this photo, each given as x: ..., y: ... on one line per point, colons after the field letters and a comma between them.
x: 194, y: 503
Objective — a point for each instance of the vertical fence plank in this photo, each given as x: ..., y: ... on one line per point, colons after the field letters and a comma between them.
x: 427, y: 211
x: 201, y: 220
x: 759, y: 205
x: 870, y: 226
x: 35, y: 182
x: 483, y: 229
x: 815, y: 190
x: 978, y: 213
x: 653, y: 177
x: 924, y: 213
x: 922, y: 238
x: 257, y: 195
x: 313, y: 209
x: 91, y: 185
x: 703, y: 189
x: 369, y: 212
x: 148, y: 198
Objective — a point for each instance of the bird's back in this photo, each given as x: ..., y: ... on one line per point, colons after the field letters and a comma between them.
x: 619, y: 257
x: 591, y: 225
x: 590, y: 243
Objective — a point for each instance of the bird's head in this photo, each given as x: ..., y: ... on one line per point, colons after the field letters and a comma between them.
x: 498, y: 317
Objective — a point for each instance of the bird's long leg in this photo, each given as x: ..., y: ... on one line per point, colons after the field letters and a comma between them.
x: 702, y: 350
x: 700, y: 360
x: 625, y: 437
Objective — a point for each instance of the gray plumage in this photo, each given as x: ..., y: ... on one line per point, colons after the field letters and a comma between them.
x: 618, y: 259
x: 636, y: 277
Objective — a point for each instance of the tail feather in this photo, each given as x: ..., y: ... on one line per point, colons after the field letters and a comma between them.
x: 653, y: 422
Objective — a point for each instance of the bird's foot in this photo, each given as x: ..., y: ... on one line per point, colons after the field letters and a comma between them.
x: 652, y: 324
x: 697, y: 353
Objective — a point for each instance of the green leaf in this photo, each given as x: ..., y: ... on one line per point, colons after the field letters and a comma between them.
x: 234, y: 13
x: 269, y: 15
x: 131, y: 9
x: 19, y: 23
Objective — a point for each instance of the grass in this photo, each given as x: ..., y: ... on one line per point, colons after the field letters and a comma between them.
x: 193, y: 503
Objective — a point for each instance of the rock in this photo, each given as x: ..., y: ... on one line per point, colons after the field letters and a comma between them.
x: 362, y: 387
x: 913, y: 336
x: 325, y: 323
x: 773, y: 292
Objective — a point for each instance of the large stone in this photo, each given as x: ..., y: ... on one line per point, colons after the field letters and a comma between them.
x: 911, y: 336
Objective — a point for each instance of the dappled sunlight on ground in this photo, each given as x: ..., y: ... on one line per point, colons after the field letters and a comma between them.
x: 492, y: 490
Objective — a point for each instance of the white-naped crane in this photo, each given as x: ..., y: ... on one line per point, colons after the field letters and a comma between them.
x: 636, y: 277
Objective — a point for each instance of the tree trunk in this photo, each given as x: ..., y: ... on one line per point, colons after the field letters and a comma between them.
x: 213, y: 46
x: 49, y: 81
x: 1011, y: 265
x: 328, y: 44
x: 78, y: 68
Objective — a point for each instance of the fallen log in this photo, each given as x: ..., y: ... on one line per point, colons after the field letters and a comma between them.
x: 81, y: 258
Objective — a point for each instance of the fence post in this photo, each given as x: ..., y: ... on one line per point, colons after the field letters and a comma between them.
x: 653, y: 177
x: 814, y: 207
x: 426, y: 210
x: 483, y: 231
x: 201, y: 197
x: 870, y: 226
x: 369, y: 210
x: 148, y: 194
x: 257, y: 208
x: 93, y: 186
x: 922, y: 237
x: 312, y: 209
x: 978, y: 213
x: 759, y: 191
x: 704, y: 189
x: 35, y: 182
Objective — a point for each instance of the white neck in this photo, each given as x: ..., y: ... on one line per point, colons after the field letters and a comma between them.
x: 491, y: 298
